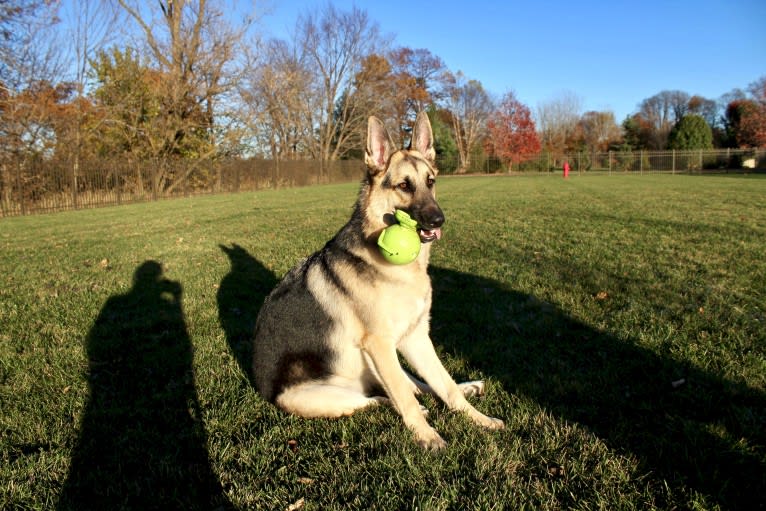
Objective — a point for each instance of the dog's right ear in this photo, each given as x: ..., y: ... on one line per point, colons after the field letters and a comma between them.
x: 379, y: 146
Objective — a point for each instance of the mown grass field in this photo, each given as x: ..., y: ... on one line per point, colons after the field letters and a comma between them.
x: 620, y: 324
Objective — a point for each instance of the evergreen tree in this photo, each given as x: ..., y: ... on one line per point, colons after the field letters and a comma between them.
x: 691, y: 132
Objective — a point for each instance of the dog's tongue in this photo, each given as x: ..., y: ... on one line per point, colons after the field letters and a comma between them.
x: 432, y: 234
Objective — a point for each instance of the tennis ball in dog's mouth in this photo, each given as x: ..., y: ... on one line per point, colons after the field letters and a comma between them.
x: 400, y: 243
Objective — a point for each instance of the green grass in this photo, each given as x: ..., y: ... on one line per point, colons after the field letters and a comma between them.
x: 620, y: 323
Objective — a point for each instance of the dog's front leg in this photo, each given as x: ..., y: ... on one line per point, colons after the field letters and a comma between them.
x: 381, y: 353
x: 419, y: 352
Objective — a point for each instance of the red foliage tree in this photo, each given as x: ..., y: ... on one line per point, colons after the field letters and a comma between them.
x: 746, y: 121
x: 746, y: 118
x: 512, y: 133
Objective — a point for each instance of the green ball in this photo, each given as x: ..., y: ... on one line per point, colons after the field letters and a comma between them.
x: 399, y: 244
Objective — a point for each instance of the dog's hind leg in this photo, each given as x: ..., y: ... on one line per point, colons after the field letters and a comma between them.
x: 319, y: 398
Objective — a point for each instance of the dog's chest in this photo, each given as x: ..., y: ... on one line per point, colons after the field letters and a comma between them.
x: 405, y: 306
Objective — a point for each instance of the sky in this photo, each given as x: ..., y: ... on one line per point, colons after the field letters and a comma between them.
x: 610, y: 54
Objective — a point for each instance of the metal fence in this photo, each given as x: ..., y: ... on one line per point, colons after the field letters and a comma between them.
x: 34, y: 185
x: 42, y: 185
x: 696, y: 161
x: 693, y: 161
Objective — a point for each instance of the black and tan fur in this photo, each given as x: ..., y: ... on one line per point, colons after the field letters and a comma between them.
x: 327, y: 337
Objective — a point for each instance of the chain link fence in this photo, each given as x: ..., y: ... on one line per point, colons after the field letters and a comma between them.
x: 36, y: 185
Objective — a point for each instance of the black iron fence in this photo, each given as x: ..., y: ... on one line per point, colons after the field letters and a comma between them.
x: 33, y: 185
x: 46, y: 185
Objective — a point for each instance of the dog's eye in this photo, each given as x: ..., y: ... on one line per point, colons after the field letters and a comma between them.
x: 404, y: 186
x: 430, y: 181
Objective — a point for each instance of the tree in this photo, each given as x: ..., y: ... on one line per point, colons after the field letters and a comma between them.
x: 512, y: 134
x: 557, y: 121
x: 691, y: 132
x: 444, y: 142
x: 335, y: 44
x: 599, y: 130
x: 413, y: 85
x: 129, y: 95
x: 746, y: 123
x: 707, y: 108
x: 30, y: 51
x: 470, y: 106
x: 659, y: 113
x: 278, y: 93
x: 193, y: 49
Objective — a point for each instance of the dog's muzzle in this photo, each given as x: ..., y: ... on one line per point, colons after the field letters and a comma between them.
x: 429, y: 221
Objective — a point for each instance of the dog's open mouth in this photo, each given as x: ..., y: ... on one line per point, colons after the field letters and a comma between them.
x: 429, y: 235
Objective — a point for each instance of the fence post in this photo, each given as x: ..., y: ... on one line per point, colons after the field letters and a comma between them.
x: 641, y: 161
x: 610, y: 163
x: 155, y: 184
x: 74, y: 184
x: 117, y: 183
x: 20, y: 188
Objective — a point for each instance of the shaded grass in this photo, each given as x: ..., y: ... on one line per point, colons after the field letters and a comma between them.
x: 619, y: 322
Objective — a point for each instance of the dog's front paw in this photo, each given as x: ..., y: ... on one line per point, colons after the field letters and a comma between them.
x: 431, y: 441
x: 472, y: 388
x: 493, y: 423
x: 485, y: 421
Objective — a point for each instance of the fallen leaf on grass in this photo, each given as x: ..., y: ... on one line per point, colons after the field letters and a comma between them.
x: 298, y: 504
x: 602, y: 295
x: 555, y: 470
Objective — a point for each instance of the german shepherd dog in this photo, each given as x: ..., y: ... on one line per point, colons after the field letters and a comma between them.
x: 326, y: 338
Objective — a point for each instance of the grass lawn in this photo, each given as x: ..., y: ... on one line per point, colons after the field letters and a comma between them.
x: 619, y: 321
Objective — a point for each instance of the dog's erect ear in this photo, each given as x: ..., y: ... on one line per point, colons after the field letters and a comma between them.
x: 379, y: 146
x: 423, y: 137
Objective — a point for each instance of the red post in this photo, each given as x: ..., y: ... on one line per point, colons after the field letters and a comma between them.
x: 566, y: 169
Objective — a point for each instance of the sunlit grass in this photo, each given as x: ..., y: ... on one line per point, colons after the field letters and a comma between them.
x: 619, y: 322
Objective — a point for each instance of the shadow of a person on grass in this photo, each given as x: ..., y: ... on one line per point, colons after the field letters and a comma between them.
x: 142, y: 442
x: 685, y: 425
x: 240, y: 296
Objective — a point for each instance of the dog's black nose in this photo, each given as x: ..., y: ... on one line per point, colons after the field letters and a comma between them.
x: 432, y: 219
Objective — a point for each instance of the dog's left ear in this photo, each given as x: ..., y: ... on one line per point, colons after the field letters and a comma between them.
x: 423, y: 138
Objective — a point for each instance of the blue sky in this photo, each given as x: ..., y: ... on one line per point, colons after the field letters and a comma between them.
x: 610, y: 54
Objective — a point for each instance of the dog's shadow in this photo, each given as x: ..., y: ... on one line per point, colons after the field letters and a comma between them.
x: 240, y: 296
x: 664, y: 412
x: 688, y: 426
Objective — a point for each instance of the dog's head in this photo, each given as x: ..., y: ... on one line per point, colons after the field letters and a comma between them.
x: 404, y: 179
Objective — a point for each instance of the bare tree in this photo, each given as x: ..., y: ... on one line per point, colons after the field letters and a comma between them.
x: 90, y: 26
x: 470, y: 106
x: 30, y: 50
x: 662, y: 111
x: 275, y: 101
x: 557, y: 121
x: 599, y: 130
x: 335, y: 44
x: 278, y: 91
